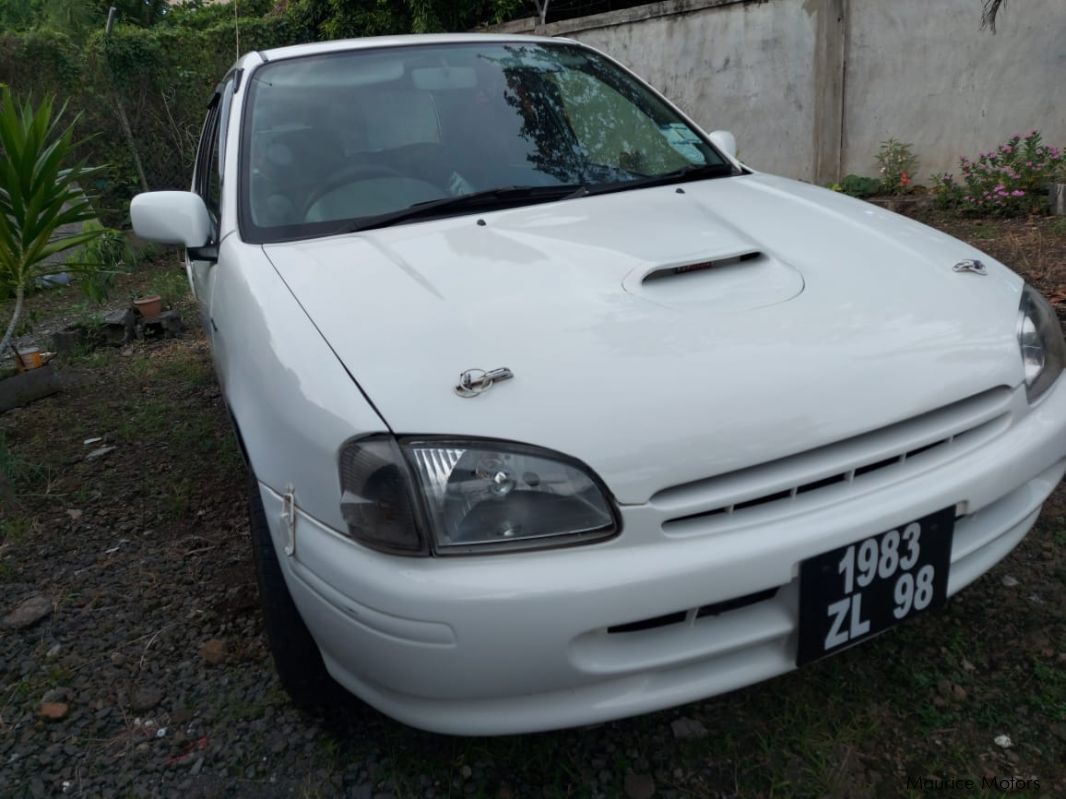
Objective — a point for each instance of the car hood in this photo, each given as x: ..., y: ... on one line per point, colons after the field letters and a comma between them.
x: 814, y: 317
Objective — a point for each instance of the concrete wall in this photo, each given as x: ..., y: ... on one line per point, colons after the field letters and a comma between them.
x: 922, y: 71
x: 811, y: 87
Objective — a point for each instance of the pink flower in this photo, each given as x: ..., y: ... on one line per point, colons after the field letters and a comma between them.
x: 1017, y: 193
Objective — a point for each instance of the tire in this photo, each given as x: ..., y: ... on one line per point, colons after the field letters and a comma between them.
x: 297, y: 659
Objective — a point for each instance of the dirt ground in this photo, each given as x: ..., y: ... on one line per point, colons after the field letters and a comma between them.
x: 153, y: 662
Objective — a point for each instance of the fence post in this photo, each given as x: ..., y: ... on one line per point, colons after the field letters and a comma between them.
x: 830, y: 59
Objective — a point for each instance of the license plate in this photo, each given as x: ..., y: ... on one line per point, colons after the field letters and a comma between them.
x: 861, y: 589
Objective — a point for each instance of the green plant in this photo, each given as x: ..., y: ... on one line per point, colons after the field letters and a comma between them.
x: 38, y: 196
x: 896, y: 164
x: 1007, y: 181
x: 109, y: 252
x: 858, y: 186
x: 172, y: 287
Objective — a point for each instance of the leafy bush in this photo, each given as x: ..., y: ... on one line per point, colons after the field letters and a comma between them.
x: 858, y: 186
x: 172, y: 287
x: 39, y: 197
x: 1008, y: 181
x: 109, y: 253
x: 896, y: 165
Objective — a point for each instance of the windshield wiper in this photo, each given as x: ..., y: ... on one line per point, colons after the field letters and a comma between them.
x: 489, y: 199
x: 690, y: 172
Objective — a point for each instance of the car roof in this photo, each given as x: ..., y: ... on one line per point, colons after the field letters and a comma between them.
x: 297, y: 50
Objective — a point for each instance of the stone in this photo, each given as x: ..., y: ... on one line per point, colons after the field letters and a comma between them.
x: 685, y: 728
x: 54, y: 695
x: 1057, y: 198
x: 1009, y: 582
x: 54, y: 711
x: 29, y: 612
x: 99, y: 452
x: 213, y: 651
x: 145, y: 697
x: 639, y: 786
x: 959, y: 692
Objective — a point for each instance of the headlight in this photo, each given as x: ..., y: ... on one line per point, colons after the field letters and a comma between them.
x: 462, y: 497
x: 1040, y: 339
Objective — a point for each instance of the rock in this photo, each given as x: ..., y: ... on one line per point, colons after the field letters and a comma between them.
x: 1003, y: 741
x: 98, y: 453
x: 145, y: 697
x: 213, y: 651
x: 53, y: 651
x: 54, y: 711
x: 54, y: 695
x: 1009, y: 582
x: 958, y: 691
x: 467, y: 772
x: 639, y: 786
x: 197, y: 767
x: 28, y: 613
x: 685, y: 728
x: 1057, y: 198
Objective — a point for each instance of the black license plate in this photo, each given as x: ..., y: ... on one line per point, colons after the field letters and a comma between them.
x: 861, y: 589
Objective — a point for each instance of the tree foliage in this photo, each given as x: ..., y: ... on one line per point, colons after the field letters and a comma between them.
x: 162, y: 67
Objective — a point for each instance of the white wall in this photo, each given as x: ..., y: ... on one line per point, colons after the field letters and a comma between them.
x: 923, y: 72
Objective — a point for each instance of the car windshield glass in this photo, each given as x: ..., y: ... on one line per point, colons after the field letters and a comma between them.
x: 335, y: 141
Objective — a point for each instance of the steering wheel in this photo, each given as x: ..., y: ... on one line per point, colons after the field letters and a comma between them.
x: 351, y: 174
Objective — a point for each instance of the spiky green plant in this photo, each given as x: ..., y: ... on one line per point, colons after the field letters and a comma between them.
x: 38, y: 196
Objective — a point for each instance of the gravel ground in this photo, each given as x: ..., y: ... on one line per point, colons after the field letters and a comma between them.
x: 146, y: 673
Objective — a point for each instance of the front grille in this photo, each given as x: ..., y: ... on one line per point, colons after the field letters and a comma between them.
x: 803, y: 480
x: 715, y: 609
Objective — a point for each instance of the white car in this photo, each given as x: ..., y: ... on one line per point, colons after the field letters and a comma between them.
x: 559, y: 413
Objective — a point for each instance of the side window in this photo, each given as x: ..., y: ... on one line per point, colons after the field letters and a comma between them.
x: 211, y: 154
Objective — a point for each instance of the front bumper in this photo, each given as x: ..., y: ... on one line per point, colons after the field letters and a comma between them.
x: 519, y: 643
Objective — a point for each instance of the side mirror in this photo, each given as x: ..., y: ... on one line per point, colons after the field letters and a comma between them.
x: 725, y: 141
x: 172, y: 217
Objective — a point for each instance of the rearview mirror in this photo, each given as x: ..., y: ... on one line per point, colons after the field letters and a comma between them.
x: 725, y: 141
x: 171, y: 217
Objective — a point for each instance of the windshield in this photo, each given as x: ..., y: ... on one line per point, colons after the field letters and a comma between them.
x: 335, y: 139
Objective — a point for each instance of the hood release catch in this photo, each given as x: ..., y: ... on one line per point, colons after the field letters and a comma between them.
x: 476, y: 381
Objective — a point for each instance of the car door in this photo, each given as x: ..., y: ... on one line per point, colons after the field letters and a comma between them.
x: 207, y: 182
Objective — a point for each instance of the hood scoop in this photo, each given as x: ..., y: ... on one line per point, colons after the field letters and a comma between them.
x: 663, y: 272
x: 730, y: 281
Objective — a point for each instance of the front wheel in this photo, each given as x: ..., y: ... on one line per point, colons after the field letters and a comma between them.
x: 297, y: 658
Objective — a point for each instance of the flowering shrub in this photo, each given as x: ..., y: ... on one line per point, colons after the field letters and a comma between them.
x: 1008, y: 181
x: 896, y: 165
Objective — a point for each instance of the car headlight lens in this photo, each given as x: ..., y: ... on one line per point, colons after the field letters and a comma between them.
x: 470, y: 496
x: 1040, y: 339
